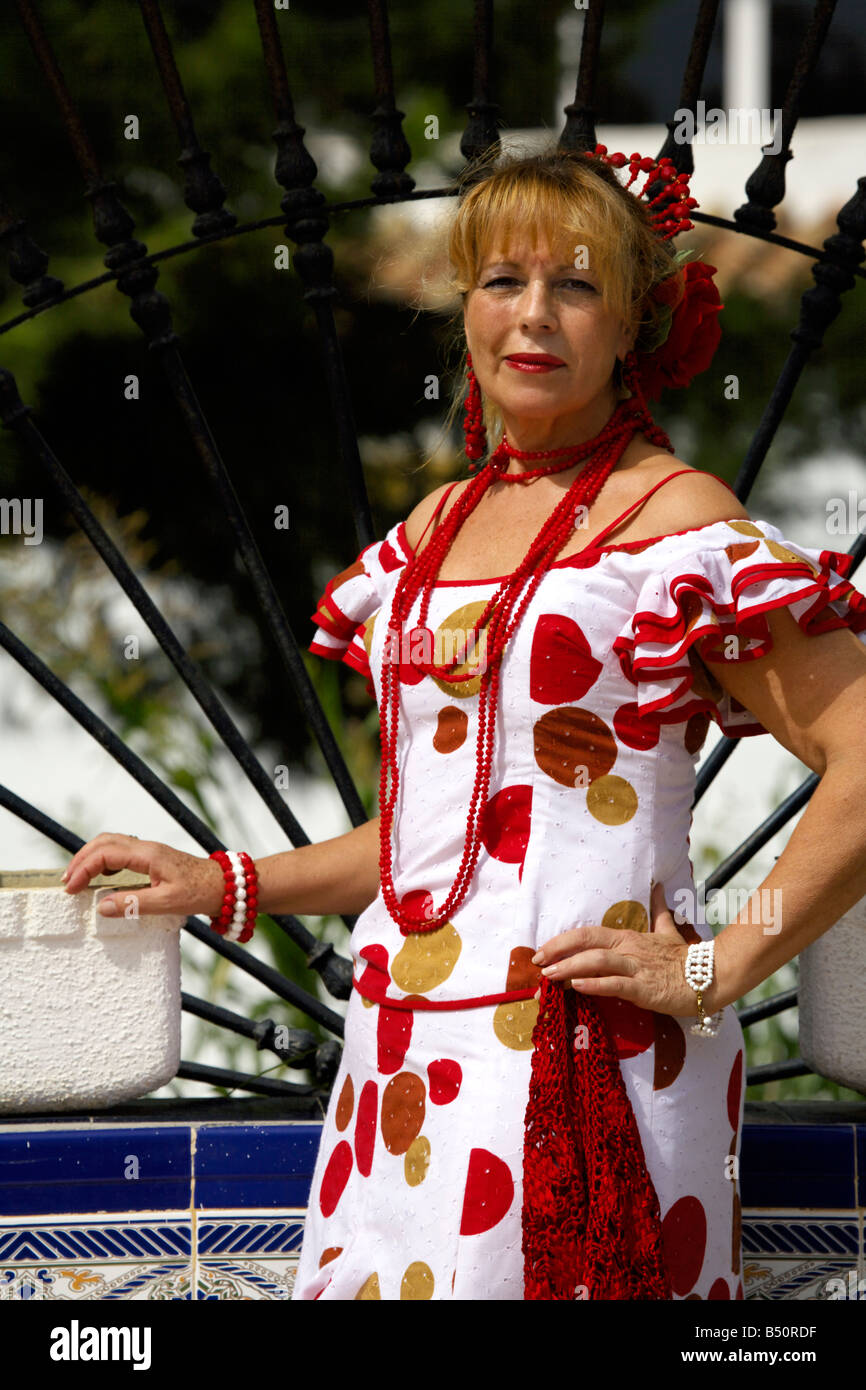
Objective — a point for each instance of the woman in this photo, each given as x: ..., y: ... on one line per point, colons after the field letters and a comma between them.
x: 535, y: 795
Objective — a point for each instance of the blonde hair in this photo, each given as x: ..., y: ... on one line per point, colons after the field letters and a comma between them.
x: 566, y: 200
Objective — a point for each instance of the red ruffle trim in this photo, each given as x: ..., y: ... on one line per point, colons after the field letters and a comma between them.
x: 702, y: 608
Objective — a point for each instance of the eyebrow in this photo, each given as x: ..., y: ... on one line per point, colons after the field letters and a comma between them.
x: 565, y: 265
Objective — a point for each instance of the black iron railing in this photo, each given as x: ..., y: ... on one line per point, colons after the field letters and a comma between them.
x: 306, y: 219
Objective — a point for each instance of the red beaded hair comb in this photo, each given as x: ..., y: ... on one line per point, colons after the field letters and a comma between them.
x: 672, y: 204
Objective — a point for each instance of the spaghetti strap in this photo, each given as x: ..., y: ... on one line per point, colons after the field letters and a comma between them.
x: 613, y: 525
x: 439, y: 505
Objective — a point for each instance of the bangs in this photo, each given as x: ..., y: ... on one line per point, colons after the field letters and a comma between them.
x: 535, y: 210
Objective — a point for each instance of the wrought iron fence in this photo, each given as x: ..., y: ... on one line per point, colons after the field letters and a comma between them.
x: 306, y: 218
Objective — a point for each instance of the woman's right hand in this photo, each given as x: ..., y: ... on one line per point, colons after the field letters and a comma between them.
x: 179, y: 883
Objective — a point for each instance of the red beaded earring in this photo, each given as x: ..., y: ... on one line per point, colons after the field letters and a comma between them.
x: 473, y: 419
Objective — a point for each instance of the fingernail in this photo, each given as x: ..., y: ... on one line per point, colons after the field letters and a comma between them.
x: 64, y: 876
x: 107, y: 908
x: 537, y: 958
x: 548, y: 970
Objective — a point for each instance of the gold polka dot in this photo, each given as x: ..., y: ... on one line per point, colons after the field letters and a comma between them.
x: 448, y: 639
x: 418, y: 1282
x: 746, y: 528
x: 417, y: 1161
x: 781, y: 552
x: 426, y: 959
x: 627, y: 915
x: 369, y: 1289
x: 513, y: 1023
x: 612, y: 800
x: 367, y: 633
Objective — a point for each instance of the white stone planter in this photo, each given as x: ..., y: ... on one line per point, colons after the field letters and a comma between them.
x: 832, y: 1017
x: 89, y: 1005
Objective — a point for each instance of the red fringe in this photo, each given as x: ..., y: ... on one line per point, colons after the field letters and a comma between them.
x: 591, y: 1220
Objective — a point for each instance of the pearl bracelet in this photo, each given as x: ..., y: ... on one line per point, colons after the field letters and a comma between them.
x: 237, y: 918
x: 699, y: 974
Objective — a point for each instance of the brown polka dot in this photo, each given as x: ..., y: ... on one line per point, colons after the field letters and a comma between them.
x: 746, y: 528
x: 781, y: 552
x: 450, y: 729
x: 687, y: 931
x: 417, y: 1161
x: 691, y: 607
x: 403, y: 1111
x: 670, y: 1051
x: 740, y: 550
x: 522, y: 974
x: 357, y: 567
x: 612, y: 800
x: 330, y: 1254
x: 627, y: 915
x: 346, y: 1104
x: 449, y: 638
x: 513, y: 1023
x: 426, y: 959
x: 735, y: 1234
x: 573, y: 746
x: 690, y: 1296
x: 417, y: 1282
x: 695, y: 732
x: 369, y: 1289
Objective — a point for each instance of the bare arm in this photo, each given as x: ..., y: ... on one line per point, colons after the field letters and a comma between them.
x: 338, y: 875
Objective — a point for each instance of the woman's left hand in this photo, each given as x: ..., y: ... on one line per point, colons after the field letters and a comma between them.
x: 647, y: 968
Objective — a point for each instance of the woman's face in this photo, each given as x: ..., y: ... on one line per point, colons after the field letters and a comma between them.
x: 527, y: 303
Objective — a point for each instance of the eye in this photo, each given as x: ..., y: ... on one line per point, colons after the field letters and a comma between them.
x: 572, y: 281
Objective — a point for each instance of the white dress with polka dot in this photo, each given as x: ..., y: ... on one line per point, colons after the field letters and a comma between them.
x: 417, y: 1189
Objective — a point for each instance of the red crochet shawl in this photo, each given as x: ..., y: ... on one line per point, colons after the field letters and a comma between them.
x: 591, y: 1221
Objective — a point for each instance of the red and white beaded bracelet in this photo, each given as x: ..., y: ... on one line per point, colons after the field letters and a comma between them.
x: 237, y: 917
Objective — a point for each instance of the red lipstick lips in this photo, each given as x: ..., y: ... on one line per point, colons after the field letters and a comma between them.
x: 534, y: 362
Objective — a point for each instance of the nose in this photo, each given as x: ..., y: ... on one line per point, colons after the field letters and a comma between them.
x: 536, y: 306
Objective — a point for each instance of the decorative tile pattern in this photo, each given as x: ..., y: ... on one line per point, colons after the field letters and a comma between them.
x: 237, y: 1232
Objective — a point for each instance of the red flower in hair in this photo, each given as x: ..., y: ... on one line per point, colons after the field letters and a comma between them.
x: 694, y: 333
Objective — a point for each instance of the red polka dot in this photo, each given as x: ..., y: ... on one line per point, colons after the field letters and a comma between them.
x: 632, y: 1029
x: 505, y: 824
x: 684, y: 1236
x: 444, y: 1077
x: 561, y: 664
x: 634, y: 731
x: 365, y: 1127
x: 416, y: 649
x: 488, y: 1194
x: 419, y: 904
x: 388, y: 557
x: 393, y: 1035
x: 734, y: 1083
x: 335, y: 1178
x: 719, y: 1290
x: 374, y: 979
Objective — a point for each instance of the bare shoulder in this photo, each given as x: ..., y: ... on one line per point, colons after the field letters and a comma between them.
x: 418, y: 519
x: 693, y: 498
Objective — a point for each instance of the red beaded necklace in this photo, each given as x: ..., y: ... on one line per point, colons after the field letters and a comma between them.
x: 501, y: 616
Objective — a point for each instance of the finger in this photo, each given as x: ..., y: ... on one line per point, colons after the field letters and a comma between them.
x: 665, y: 921
x: 592, y: 962
x: 118, y: 852
x: 131, y: 905
x: 575, y: 939
x: 614, y: 986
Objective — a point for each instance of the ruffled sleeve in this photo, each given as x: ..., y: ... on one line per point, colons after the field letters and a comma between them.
x: 352, y: 597
x: 719, y: 588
